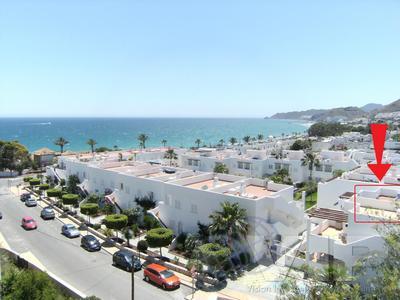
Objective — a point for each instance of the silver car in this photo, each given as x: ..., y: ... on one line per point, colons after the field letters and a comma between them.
x: 30, y: 202
x: 69, y: 230
x: 47, y: 213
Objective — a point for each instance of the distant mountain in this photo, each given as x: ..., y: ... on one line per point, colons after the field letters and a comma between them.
x: 391, y: 107
x: 371, y: 107
x: 327, y: 115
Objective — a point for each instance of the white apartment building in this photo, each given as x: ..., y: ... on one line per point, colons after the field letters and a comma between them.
x: 185, y: 197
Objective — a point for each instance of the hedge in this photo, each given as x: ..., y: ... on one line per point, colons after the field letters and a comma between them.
x: 70, y: 199
x: 43, y: 186
x: 213, y: 254
x: 116, y: 221
x: 27, y: 179
x: 89, y: 209
x: 142, y: 246
x: 159, y: 237
x: 53, y: 193
x: 34, y: 181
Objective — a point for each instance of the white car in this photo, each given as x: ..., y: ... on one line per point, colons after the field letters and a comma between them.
x: 30, y: 202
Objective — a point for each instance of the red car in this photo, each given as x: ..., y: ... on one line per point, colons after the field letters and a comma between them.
x: 28, y: 223
x: 161, y: 276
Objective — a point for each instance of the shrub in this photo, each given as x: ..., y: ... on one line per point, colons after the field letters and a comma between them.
x: 180, y: 242
x: 213, y: 254
x: 245, y: 258
x: 159, y: 237
x: 53, y: 193
x: 194, y: 263
x: 28, y: 178
x: 70, y: 199
x: 89, y: 209
x: 44, y: 187
x: 34, y: 181
x: 150, y: 222
x: 93, y: 198
x: 146, y: 202
x: 116, y: 221
x: 142, y: 246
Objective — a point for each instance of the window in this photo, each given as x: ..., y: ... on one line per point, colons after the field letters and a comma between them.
x: 244, y: 165
x: 193, y: 162
x: 168, y: 200
x: 121, y: 186
x: 328, y: 168
x: 270, y: 166
x: 277, y: 166
x: 285, y: 166
x: 318, y: 168
x: 127, y: 190
x: 193, y: 208
x: 177, y: 204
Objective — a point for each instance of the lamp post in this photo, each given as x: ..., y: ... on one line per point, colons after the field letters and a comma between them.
x: 130, y: 232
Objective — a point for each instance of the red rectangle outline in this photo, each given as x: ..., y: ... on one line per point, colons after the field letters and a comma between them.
x: 370, y: 222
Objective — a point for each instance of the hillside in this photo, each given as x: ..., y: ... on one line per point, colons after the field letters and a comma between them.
x: 392, y: 107
x: 371, y: 107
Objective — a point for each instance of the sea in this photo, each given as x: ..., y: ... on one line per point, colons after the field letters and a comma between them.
x: 36, y: 133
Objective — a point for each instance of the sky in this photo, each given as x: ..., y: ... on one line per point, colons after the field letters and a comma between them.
x: 208, y: 58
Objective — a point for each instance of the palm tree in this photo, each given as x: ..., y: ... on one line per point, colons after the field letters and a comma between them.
x: 171, y: 155
x: 246, y: 139
x: 91, y: 143
x: 142, y: 138
x: 232, y: 221
x: 164, y: 142
x: 198, y: 142
x: 221, y: 142
x: 233, y: 141
x: 61, y: 142
x: 310, y: 160
x: 260, y: 137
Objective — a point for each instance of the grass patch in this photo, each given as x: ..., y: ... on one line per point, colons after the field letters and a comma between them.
x: 311, y: 200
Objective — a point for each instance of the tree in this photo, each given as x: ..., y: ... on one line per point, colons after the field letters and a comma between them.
x: 246, y: 139
x: 70, y: 199
x: 91, y: 143
x: 28, y: 284
x: 159, y: 237
x: 164, y: 142
x: 213, y: 254
x: 221, y: 168
x: 230, y: 221
x: 332, y: 282
x: 61, y: 142
x: 233, y: 141
x: 116, y: 221
x: 281, y: 176
x: 89, y: 209
x: 142, y: 138
x: 170, y: 155
x: 221, y: 142
x: 34, y: 182
x: 197, y: 142
x: 260, y: 137
x: 54, y: 193
x: 337, y: 173
x: 133, y: 215
x: 146, y: 202
x: 14, y: 156
x: 72, y: 184
x: 128, y: 234
x: 301, y: 145
x: 310, y: 160
x: 142, y: 246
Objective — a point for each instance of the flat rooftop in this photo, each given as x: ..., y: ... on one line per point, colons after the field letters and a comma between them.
x: 251, y: 191
x: 332, y: 233
x: 380, y: 213
x: 207, y: 184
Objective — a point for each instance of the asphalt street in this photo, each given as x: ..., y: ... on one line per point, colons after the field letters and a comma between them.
x: 91, y: 273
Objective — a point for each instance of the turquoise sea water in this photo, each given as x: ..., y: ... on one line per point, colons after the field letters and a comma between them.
x: 36, y: 133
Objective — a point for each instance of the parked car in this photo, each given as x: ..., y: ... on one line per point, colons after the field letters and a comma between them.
x: 70, y: 231
x: 47, y: 213
x: 126, y: 260
x: 28, y: 223
x: 30, y: 202
x: 1, y: 215
x: 161, y: 276
x: 25, y: 196
x: 218, y: 274
x: 90, y: 243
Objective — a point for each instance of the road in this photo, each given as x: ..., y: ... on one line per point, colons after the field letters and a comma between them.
x: 91, y: 273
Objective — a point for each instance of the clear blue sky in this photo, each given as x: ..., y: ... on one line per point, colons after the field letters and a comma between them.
x: 195, y: 58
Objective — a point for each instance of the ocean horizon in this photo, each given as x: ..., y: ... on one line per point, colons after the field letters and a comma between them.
x: 36, y: 133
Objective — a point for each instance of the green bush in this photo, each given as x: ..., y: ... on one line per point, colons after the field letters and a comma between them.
x: 180, y: 242
x: 159, y: 237
x: 150, y: 222
x: 34, y: 181
x: 245, y: 258
x: 70, y: 199
x: 93, y: 198
x: 194, y: 263
x: 213, y: 254
x: 89, y: 209
x: 116, y: 221
x: 28, y: 178
x: 53, y: 193
x: 142, y: 246
x: 44, y: 187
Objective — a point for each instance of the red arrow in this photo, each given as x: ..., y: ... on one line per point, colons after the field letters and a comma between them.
x: 379, y: 136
